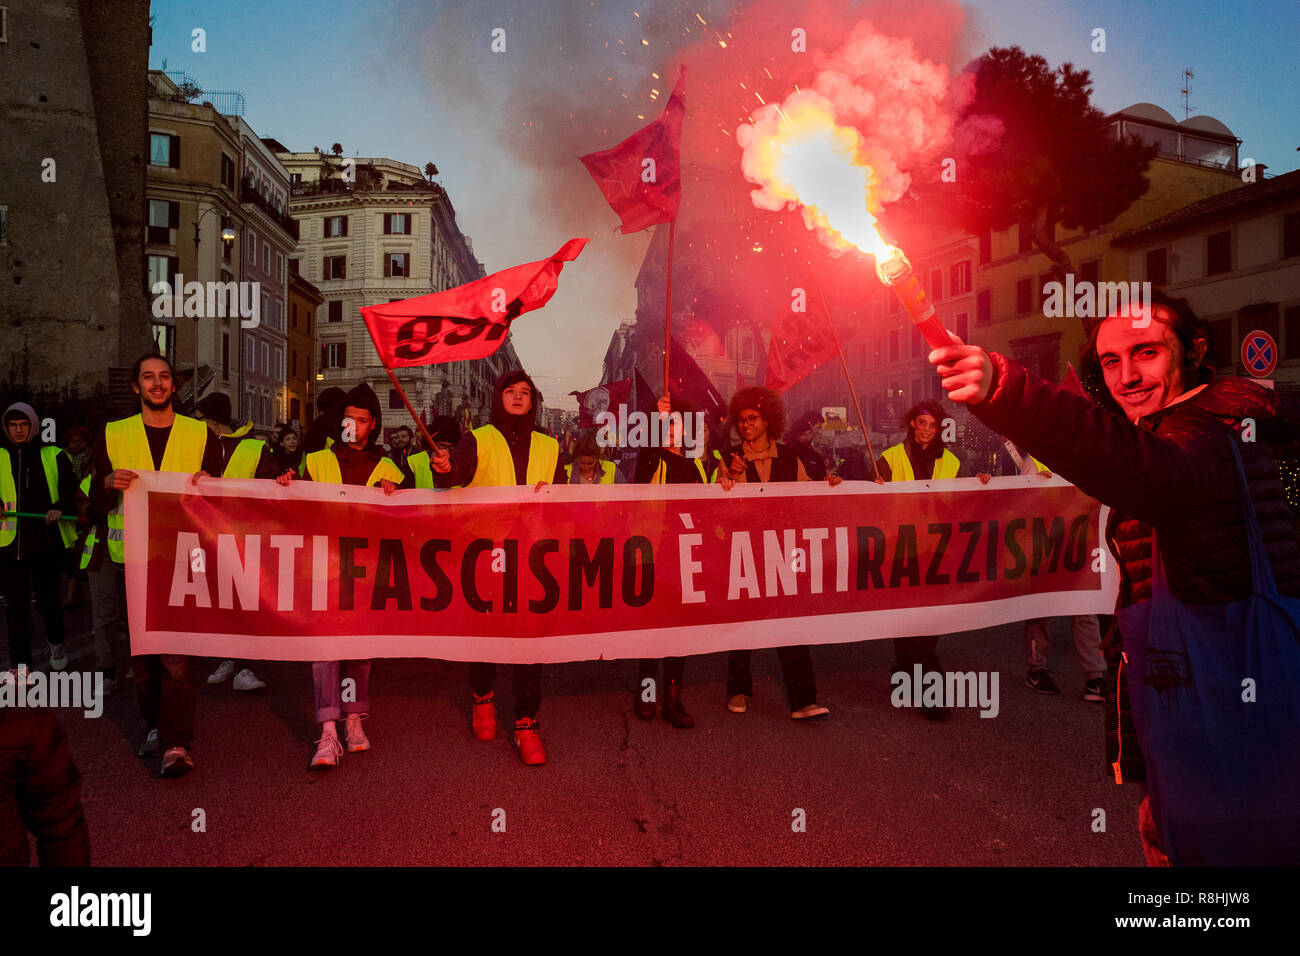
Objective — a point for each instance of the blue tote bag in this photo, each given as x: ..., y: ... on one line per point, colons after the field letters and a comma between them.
x: 1215, y: 694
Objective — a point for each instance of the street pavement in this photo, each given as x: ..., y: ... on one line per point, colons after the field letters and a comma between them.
x: 877, y: 785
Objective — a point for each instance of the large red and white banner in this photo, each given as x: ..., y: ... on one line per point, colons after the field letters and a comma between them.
x: 247, y: 569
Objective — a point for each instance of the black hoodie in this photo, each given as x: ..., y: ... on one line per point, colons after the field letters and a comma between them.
x: 517, y: 429
x: 34, y: 535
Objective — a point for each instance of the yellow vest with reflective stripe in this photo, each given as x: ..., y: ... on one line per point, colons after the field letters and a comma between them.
x: 92, y: 536
x: 9, y: 495
x: 900, y: 467
x: 128, y: 447
x: 660, y: 476
x: 323, y: 466
x: 243, y: 463
x: 606, y: 472
x: 496, y: 467
x: 421, y: 469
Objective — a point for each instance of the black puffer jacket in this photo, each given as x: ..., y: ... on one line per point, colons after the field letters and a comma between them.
x: 1172, y: 472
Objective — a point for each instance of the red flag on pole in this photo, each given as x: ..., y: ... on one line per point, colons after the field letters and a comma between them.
x: 800, y: 342
x: 641, y: 177
x: 602, y: 398
x: 467, y: 322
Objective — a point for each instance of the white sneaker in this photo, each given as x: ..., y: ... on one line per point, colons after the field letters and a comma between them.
x: 58, y: 657
x: 357, y: 740
x: 328, y: 752
x: 222, y: 673
x: 247, y: 680
x: 150, y: 747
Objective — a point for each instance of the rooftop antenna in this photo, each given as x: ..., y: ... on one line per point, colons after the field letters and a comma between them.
x: 1188, y: 76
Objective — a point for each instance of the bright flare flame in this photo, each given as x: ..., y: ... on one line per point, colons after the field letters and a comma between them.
x: 801, y: 156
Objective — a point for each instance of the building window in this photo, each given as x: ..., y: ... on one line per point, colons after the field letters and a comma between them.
x: 164, y: 150
x: 267, y: 316
x: 225, y: 355
x: 984, y: 307
x: 279, y: 364
x: 250, y: 405
x: 918, y: 343
x: 397, y: 223
x: 266, y: 359
x: 293, y: 266
x: 1158, y: 266
x: 893, y: 345
x: 4, y: 24
x: 266, y: 257
x: 227, y: 172
x: 335, y: 355
x: 961, y: 325
x: 1026, y: 239
x: 1291, y: 235
x: 279, y: 267
x: 1024, y: 296
x: 336, y: 226
x: 4, y: 225
x: 959, y: 278
x: 1221, y: 340
x: 936, y: 284
x: 164, y: 216
x: 336, y: 267
x: 1090, y: 272
x: 250, y: 354
x: 293, y: 314
x: 397, y: 264
x: 1291, y: 327
x: 394, y: 399
x: 307, y: 314
x: 894, y: 304
x: 1218, y: 253
x: 162, y: 269
x: 879, y: 350
x: 251, y: 242
x: 1043, y: 280
x: 336, y: 311
x: 164, y: 336
x: 986, y: 248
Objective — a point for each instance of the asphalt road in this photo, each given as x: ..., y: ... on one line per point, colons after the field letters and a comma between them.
x: 877, y: 785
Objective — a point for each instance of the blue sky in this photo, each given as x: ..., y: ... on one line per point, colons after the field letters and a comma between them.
x: 411, y: 80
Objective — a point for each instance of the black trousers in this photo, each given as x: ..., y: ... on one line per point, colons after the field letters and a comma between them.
x: 796, y: 669
x: 909, y: 651
x: 39, y: 573
x: 674, y: 669
x: 165, y: 685
x: 528, y: 686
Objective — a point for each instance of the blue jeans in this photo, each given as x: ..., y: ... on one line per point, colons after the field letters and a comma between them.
x: 327, y: 679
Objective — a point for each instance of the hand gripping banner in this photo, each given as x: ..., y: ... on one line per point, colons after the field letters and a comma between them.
x: 248, y: 569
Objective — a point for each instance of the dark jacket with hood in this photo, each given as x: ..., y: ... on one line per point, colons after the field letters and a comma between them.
x: 1171, y: 474
x: 40, y: 792
x: 33, y: 491
x: 356, y: 465
x: 517, y: 429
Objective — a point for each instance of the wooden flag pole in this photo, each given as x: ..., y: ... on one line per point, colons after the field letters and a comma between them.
x: 853, y: 393
x: 428, y: 439
x: 668, y: 302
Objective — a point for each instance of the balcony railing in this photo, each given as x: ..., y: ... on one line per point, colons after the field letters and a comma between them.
x: 250, y: 194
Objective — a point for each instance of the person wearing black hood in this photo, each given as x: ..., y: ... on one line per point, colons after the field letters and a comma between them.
x: 325, y: 426
x: 354, y: 458
x: 805, y: 429
x: 38, y: 479
x: 508, y: 451
x: 921, y: 455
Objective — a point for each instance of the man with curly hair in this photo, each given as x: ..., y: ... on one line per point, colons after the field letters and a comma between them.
x: 759, y: 417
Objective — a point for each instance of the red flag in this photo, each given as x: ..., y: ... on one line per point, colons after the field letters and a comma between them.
x: 641, y: 177
x: 800, y: 342
x: 467, y: 322
x: 602, y: 398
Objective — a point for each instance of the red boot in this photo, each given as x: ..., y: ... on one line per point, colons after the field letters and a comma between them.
x: 529, y: 742
x: 485, y: 717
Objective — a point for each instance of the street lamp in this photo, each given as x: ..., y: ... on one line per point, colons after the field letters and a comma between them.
x: 227, y: 235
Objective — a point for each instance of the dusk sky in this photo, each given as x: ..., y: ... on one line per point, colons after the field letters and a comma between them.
x: 415, y: 81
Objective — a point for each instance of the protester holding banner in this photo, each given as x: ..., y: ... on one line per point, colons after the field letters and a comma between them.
x: 286, y: 446
x: 805, y: 428
x: 445, y: 433
x: 759, y: 417
x: 668, y: 465
x: 355, y: 458
x: 325, y: 427
x: 509, y: 450
x: 1210, y: 565
x: 243, y: 458
x: 35, y: 478
x: 156, y: 439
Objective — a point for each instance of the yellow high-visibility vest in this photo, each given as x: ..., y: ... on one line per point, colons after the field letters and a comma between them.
x: 421, y: 469
x: 660, y: 476
x: 9, y: 495
x: 900, y: 468
x: 243, y: 463
x: 606, y: 472
x: 92, y: 536
x: 128, y: 447
x: 323, y: 466
x: 496, y: 467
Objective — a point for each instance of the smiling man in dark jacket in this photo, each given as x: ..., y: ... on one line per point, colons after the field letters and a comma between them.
x: 1164, y: 463
x: 508, y: 451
